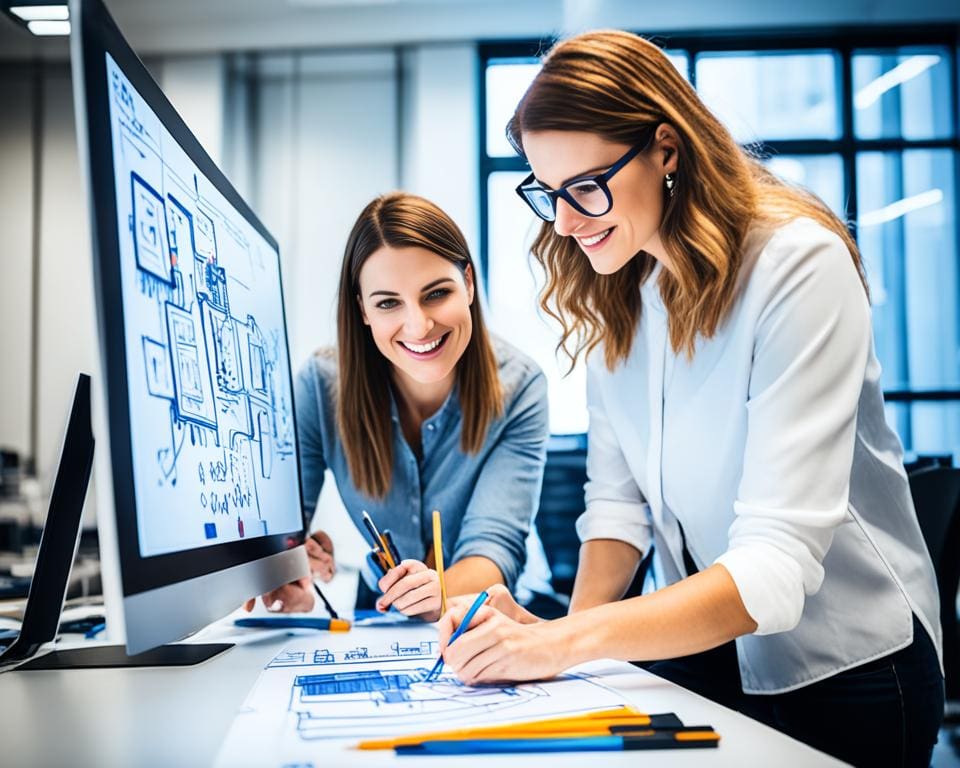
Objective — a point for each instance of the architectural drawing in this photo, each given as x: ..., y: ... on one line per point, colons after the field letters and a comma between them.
x: 318, y: 694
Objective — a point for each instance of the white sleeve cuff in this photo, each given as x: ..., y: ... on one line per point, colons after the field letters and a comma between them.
x: 622, y: 521
x: 770, y: 583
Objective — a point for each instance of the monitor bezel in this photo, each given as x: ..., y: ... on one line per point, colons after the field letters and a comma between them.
x: 99, y: 35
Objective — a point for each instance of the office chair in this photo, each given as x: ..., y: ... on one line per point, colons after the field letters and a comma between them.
x: 561, y: 503
x: 936, y: 496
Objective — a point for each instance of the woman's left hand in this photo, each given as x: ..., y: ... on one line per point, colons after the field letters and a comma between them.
x: 496, y: 648
x: 411, y: 588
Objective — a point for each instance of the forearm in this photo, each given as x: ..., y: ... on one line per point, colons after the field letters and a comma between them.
x: 470, y: 575
x: 694, y: 615
x: 606, y: 569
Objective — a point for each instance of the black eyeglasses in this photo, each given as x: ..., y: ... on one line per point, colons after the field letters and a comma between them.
x: 589, y: 194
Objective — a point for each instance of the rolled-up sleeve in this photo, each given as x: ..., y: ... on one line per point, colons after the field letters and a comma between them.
x: 810, y: 354
x: 507, y: 492
x: 615, y: 506
x: 306, y: 398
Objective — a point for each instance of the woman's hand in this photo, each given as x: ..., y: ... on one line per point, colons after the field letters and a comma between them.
x: 320, y: 555
x: 500, y: 598
x: 413, y: 589
x: 495, y: 648
x: 295, y: 597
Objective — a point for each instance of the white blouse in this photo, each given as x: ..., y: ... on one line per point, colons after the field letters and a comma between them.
x: 771, y: 449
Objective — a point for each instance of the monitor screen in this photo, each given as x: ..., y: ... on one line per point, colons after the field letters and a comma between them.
x: 208, y: 377
x: 202, y: 472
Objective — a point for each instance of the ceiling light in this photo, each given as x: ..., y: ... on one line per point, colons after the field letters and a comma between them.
x: 41, y: 12
x: 49, y: 28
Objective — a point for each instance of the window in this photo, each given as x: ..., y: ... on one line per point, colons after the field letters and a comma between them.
x: 868, y: 123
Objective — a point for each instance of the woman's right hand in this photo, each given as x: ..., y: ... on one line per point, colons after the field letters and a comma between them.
x: 320, y: 555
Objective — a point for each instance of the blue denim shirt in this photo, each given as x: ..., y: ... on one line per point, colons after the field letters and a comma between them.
x: 486, y: 500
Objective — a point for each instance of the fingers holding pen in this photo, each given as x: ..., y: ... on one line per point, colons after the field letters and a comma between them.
x: 411, y: 588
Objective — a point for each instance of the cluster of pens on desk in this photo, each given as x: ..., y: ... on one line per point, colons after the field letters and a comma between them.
x: 617, y: 729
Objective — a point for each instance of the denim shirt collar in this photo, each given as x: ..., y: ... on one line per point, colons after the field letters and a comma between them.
x: 446, y: 413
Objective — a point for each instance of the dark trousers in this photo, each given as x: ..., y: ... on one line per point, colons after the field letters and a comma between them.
x: 883, y: 713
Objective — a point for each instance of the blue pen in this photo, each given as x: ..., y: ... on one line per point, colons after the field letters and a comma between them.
x: 706, y: 738
x: 481, y: 599
x: 294, y: 622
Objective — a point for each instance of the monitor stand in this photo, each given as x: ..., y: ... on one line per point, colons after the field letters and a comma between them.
x: 58, y: 547
x: 106, y: 656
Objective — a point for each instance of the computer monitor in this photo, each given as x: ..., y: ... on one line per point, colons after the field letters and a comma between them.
x: 202, y: 463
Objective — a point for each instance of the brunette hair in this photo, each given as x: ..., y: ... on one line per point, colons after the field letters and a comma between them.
x: 401, y: 220
x: 620, y: 86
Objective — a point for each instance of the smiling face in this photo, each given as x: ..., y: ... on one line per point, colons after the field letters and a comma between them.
x: 632, y: 223
x: 417, y: 305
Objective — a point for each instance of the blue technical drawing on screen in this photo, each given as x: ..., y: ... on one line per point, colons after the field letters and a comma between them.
x: 211, y: 409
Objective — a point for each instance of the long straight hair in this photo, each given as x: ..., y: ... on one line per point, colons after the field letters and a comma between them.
x: 619, y: 86
x: 401, y: 220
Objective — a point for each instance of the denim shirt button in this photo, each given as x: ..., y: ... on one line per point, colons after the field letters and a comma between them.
x: 430, y: 427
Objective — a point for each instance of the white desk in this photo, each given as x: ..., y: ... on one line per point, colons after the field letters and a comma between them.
x: 179, y: 717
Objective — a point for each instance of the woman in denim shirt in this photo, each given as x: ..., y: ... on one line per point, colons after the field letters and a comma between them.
x: 420, y: 409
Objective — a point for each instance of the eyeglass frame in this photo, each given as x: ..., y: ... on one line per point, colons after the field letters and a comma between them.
x: 600, y: 180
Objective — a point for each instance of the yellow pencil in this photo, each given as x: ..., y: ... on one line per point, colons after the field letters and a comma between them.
x: 438, y: 559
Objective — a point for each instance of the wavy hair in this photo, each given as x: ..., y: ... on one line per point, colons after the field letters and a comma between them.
x: 619, y: 86
x: 401, y: 220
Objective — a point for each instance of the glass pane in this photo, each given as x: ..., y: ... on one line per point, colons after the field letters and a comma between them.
x: 681, y: 61
x: 821, y: 174
x: 746, y: 91
x: 904, y: 92
x: 507, y: 81
x: 928, y: 428
x: 906, y: 229
x: 513, y: 285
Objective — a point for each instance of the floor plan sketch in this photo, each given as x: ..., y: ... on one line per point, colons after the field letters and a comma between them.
x: 206, y: 345
x: 317, y: 693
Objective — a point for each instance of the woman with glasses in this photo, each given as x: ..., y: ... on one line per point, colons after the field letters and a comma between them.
x: 418, y: 409
x: 736, y: 424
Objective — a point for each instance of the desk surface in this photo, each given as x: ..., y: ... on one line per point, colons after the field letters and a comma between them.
x: 179, y: 717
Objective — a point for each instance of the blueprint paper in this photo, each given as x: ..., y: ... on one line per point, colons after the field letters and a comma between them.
x: 322, y: 694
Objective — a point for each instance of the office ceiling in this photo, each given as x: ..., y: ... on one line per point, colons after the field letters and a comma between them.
x: 195, y: 26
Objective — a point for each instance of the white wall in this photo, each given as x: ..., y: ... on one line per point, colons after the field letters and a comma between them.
x: 16, y: 257
x: 440, y: 131
x: 66, y: 336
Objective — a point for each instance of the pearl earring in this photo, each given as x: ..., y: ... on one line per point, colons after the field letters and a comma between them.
x: 670, y: 183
